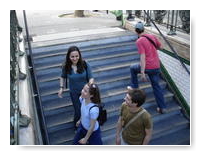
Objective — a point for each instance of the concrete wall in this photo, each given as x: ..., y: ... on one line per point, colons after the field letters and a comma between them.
x: 180, y: 77
x: 30, y: 135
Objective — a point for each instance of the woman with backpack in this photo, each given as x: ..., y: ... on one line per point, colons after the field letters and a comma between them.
x: 77, y: 72
x: 88, y: 131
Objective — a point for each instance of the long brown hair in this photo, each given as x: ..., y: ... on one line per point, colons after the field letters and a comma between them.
x: 94, y: 91
x: 68, y: 64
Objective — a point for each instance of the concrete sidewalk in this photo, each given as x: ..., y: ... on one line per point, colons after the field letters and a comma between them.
x: 49, y: 21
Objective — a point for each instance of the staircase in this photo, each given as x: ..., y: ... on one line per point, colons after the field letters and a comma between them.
x: 110, y: 56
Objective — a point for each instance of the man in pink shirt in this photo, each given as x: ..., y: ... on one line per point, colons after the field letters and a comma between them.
x: 147, y: 45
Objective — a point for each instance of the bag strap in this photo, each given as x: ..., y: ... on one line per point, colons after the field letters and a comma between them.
x: 93, y: 106
x: 150, y: 41
x: 133, y: 119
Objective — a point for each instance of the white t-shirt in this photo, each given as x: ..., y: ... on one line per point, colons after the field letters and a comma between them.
x: 87, y: 115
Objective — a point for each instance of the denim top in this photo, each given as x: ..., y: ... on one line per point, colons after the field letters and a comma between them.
x: 77, y: 81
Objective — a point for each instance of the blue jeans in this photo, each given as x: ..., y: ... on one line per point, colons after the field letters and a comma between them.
x: 154, y: 76
x: 95, y: 137
x: 77, y: 106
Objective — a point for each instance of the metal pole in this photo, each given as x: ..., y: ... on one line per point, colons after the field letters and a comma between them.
x: 176, y: 20
x: 27, y: 32
x: 172, y: 32
x: 147, y: 19
x: 168, y: 19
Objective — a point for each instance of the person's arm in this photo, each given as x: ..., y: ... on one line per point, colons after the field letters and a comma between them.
x: 147, y: 138
x: 89, y: 132
x: 159, y: 44
x: 89, y: 72
x: 62, y: 81
x: 143, y: 64
x: 118, y: 131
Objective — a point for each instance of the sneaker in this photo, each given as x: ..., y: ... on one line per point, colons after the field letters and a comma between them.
x: 161, y: 111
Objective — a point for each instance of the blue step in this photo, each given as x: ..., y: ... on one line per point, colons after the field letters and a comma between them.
x: 59, y: 58
x: 110, y: 59
x: 111, y: 106
x: 85, y: 44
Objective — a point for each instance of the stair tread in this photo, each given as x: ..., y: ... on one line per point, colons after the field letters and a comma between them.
x: 62, y: 51
x: 58, y: 61
x: 53, y: 121
x: 181, y: 137
x: 110, y: 59
x: 66, y: 101
x: 91, y: 41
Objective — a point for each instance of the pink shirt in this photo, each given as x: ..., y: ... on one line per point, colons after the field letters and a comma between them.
x: 151, y: 54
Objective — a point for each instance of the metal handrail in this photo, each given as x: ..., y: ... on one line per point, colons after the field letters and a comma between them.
x: 35, y: 79
x: 170, y: 46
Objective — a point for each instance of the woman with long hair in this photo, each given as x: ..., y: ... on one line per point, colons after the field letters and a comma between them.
x: 88, y: 131
x: 77, y: 73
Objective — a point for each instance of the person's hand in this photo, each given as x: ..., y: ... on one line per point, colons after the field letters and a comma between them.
x: 78, y: 123
x: 118, y: 140
x: 83, y: 141
x: 143, y: 77
x: 91, y: 81
x: 60, y: 93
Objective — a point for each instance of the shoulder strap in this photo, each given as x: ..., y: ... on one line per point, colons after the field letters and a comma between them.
x: 92, y: 107
x: 133, y: 119
x: 150, y: 41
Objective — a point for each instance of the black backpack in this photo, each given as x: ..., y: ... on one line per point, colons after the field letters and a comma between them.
x: 102, y: 118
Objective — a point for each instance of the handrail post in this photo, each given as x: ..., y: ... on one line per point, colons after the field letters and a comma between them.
x: 147, y: 19
x: 172, y: 31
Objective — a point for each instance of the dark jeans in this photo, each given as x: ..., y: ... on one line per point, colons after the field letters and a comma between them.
x: 77, y: 106
x: 95, y: 137
x: 154, y: 76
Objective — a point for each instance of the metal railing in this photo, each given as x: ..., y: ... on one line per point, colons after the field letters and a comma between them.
x: 174, y: 20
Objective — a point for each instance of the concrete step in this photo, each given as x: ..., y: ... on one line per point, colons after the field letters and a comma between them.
x: 50, y: 87
x: 94, y: 62
x: 179, y: 137
x: 113, y: 107
x: 52, y: 52
x: 42, y: 47
x: 105, y: 89
x: 108, y: 70
x: 110, y: 59
x: 109, y: 128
